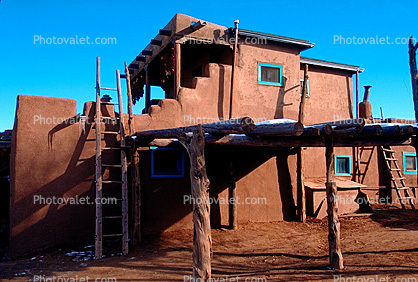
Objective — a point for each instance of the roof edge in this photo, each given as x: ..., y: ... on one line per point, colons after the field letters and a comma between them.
x: 328, y: 64
x: 277, y: 38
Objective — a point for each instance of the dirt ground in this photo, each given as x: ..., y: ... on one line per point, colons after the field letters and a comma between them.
x: 380, y: 247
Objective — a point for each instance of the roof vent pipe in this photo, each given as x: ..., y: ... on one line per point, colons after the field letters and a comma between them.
x: 366, y: 92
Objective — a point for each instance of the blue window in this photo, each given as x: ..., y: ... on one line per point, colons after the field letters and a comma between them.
x: 409, y: 163
x: 167, y: 162
x: 307, y: 88
x: 269, y: 74
x: 342, y: 165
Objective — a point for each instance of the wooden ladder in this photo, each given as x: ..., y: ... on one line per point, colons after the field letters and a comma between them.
x: 397, y: 179
x: 100, y: 182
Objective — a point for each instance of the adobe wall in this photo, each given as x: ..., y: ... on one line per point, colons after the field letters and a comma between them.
x: 51, y: 159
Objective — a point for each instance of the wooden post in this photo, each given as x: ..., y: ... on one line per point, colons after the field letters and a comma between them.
x: 335, y: 255
x: 98, y: 229
x: 232, y: 200
x: 177, y: 62
x: 136, y: 184
x: 414, y: 76
x: 125, y: 220
x: 202, y: 239
x: 147, y: 89
x: 234, y: 62
x: 301, y: 200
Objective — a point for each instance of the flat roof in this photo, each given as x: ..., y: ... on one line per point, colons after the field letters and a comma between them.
x: 304, y: 44
x: 327, y: 64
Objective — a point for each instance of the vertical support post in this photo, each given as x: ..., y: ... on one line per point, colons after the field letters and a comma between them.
x: 301, y: 199
x: 177, y: 62
x: 147, y: 89
x: 234, y: 62
x: 98, y: 229
x: 233, y: 220
x: 136, y: 184
x: 357, y: 93
x: 202, y: 239
x: 125, y: 235
x: 130, y: 111
x: 335, y: 255
x: 414, y: 75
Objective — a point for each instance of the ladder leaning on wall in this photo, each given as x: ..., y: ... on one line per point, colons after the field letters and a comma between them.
x: 107, y: 184
x: 398, y: 180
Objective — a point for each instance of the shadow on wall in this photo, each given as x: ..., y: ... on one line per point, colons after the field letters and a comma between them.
x: 280, y: 100
x: 163, y: 204
x: 40, y: 225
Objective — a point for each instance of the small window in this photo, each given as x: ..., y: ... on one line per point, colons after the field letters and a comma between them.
x: 307, y: 88
x: 410, y: 163
x: 342, y: 165
x: 269, y: 74
x: 167, y: 162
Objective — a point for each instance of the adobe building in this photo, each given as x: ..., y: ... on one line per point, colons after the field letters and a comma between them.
x: 53, y: 150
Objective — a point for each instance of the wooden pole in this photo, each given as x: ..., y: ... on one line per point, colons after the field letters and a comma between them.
x: 202, y: 239
x: 234, y: 62
x: 136, y: 184
x: 357, y: 93
x: 125, y: 220
x: 414, y: 76
x: 233, y: 220
x: 300, y: 187
x: 98, y: 229
x: 147, y: 89
x: 177, y: 62
x: 335, y: 255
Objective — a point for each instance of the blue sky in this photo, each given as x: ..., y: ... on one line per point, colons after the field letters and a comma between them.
x: 69, y: 70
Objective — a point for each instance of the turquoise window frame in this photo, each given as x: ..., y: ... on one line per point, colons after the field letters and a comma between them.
x: 349, y: 165
x: 180, y: 164
x: 307, y: 86
x: 408, y: 154
x: 260, y: 65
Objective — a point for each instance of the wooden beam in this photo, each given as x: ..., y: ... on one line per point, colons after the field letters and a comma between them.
x: 136, y: 235
x: 300, y: 187
x: 156, y: 42
x: 234, y: 62
x: 177, y: 66
x: 233, y: 220
x: 99, y: 177
x: 164, y: 32
x: 240, y: 126
x: 202, y: 238
x: 335, y: 255
x: 147, y: 89
x: 147, y: 52
x: 414, y: 75
x: 278, y: 129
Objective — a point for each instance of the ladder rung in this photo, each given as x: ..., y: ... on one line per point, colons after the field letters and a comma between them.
x: 109, y: 103
x: 398, y: 178
x: 111, y: 148
x: 391, y: 159
x: 403, y: 188
x: 406, y: 198
x: 112, y: 217
x: 108, y: 88
x: 112, y: 181
x: 112, y: 235
x: 388, y: 150
x: 112, y: 165
x: 395, y: 169
x: 110, y: 132
x: 110, y: 117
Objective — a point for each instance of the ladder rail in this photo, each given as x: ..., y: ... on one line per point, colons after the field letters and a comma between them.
x: 125, y: 234
x: 99, y: 176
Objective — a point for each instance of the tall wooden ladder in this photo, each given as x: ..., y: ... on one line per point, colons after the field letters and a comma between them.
x: 397, y: 178
x: 109, y: 184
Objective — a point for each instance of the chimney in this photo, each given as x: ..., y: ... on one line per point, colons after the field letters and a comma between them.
x: 365, y: 107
